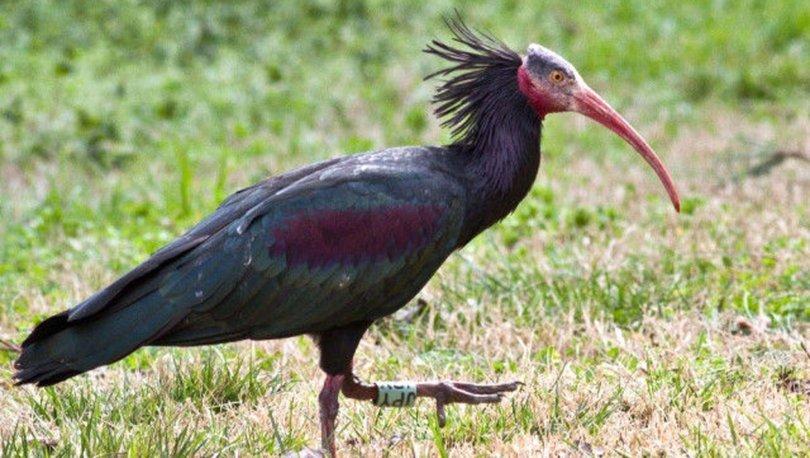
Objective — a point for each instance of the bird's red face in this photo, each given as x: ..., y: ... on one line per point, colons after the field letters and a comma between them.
x: 553, y: 85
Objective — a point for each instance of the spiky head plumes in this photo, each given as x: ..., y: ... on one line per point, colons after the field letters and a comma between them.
x: 481, y: 79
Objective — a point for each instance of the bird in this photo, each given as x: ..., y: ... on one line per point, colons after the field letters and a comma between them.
x: 327, y: 249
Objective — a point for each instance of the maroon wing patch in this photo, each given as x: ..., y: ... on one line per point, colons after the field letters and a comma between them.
x: 322, y: 237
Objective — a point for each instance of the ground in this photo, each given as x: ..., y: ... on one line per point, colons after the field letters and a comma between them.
x: 635, y: 330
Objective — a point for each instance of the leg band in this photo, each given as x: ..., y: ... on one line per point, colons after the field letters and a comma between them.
x: 395, y: 394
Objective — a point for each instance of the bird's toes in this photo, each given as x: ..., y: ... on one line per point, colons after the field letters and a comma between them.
x: 512, y: 386
x: 505, y: 387
x: 488, y: 389
x: 481, y: 398
x: 493, y: 398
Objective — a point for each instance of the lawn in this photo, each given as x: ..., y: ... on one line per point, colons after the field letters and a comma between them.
x: 636, y: 331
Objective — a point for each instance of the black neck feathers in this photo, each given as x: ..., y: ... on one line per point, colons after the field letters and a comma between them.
x: 491, y: 122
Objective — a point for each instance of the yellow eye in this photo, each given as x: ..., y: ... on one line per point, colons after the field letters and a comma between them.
x: 556, y: 76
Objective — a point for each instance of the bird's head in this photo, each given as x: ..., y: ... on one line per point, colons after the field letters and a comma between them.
x: 486, y: 75
x: 552, y: 85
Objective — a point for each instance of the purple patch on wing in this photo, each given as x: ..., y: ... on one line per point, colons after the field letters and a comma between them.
x: 325, y: 236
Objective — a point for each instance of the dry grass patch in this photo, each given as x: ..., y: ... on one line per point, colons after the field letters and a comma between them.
x: 684, y: 385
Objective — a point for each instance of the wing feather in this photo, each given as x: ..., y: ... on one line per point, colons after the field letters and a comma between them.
x: 344, y: 246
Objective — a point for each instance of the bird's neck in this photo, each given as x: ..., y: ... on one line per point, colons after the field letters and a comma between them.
x: 502, y: 169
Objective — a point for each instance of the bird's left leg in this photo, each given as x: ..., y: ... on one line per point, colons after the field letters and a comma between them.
x: 337, y: 350
x: 328, y: 403
x: 404, y: 394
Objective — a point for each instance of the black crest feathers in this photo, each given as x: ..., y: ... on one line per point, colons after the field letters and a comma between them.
x: 481, y: 77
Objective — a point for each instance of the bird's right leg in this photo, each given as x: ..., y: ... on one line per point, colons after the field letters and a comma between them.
x: 445, y: 392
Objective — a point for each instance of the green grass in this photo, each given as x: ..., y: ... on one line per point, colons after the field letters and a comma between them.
x: 635, y: 330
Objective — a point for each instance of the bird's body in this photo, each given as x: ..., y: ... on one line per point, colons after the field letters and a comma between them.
x: 323, y: 247
x: 329, y: 248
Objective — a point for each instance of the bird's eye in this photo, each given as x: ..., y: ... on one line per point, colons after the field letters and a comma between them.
x: 556, y: 76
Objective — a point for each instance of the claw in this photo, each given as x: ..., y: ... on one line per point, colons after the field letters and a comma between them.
x: 440, y: 415
x: 463, y: 393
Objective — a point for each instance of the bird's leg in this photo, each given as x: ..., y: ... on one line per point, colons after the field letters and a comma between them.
x: 328, y: 402
x: 403, y: 394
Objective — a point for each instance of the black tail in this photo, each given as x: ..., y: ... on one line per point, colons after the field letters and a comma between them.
x: 58, y: 348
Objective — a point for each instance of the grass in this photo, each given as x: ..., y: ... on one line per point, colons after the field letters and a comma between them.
x: 635, y: 330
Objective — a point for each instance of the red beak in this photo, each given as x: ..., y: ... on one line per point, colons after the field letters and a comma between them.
x: 591, y: 105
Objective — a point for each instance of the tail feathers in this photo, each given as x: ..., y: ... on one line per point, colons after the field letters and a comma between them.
x: 45, y: 374
x: 201, y: 329
x: 194, y: 337
x: 59, y: 349
x: 48, y: 327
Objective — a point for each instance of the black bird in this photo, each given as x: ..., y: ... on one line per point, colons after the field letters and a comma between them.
x: 329, y: 248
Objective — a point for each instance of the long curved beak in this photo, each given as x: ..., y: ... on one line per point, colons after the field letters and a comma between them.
x: 590, y: 104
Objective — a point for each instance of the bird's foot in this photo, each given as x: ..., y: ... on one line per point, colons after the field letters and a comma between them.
x: 449, y: 392
x: 403, y: 394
